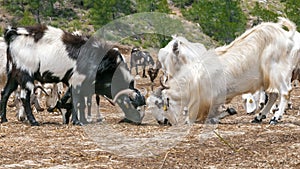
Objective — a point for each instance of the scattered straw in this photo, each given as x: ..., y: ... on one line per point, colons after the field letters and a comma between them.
x: 164, y: 160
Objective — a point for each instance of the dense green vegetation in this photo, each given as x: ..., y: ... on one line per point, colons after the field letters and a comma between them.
x: 292, y: 8
x: 221, y: 20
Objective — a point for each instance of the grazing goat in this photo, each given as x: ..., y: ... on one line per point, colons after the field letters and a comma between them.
x: 140, y: 58
x: 247, y: 64
x: 113, y: 79
x: 48, y: 55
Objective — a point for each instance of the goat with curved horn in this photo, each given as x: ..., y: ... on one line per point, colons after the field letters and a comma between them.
x: 163, y: 85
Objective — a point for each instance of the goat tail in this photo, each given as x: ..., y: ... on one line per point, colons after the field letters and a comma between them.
x: 291, y: 26
x: 9, y: 34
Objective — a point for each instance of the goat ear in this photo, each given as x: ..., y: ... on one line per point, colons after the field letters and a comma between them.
x: 175, y: 47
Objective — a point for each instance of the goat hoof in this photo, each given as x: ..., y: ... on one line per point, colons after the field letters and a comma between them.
x: 164, y: 123
x: 39, y: 109
x: 251, y: 113
x: 273, y: 121
x: 279, y: 117
x: 231, y: 111
x: 289, y: 106
x: 256, y: 120
x: 125, y: 120
x: 84, y: 121
x: 66, y: 121
x: 3, y: 120
x: 100, y: 120
x: 21, y: 118
x: 35, y: 123
x: 213, y: 121
x: 89, y: 119
x: 77, y: 123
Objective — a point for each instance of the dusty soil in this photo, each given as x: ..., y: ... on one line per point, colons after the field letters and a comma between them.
x: 235, y: 143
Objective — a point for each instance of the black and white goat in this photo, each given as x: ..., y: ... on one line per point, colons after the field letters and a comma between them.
x: 48, y: 55
x: 140, y: 58
x: 2, y: 62
x: 17, y: 101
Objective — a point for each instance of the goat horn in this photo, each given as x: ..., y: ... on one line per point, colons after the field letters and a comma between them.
x: 109, y: 100
x: 144, y: 92
x: 125, y: 91
x: 40, y: 87
x: 113, y: 102
x: 163, y: 85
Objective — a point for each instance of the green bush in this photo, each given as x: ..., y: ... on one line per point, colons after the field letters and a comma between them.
x: 263, y: 14
x: 148, y: 40
x: 292, y: 11
x: 27, y: 19
x: 221, y: 20
x: 182, y: 3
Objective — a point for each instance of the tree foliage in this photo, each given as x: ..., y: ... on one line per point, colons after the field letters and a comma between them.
x: 152, y: 6
x: 25, y: 10
x: 103, y: 11
x: 292, y: 9
x: 263, y: 14
x: 183, y: 3
x: 222, y: 20
x: 27, y: 19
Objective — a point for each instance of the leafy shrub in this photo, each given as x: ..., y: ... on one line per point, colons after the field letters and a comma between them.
x: 292, y: 11
x: 221, y: 20
x: 27, y: 19
x: 263, y: 14
x: 182, y: 3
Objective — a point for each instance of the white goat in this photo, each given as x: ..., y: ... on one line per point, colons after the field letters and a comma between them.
x: 256, y: 101
x: 172, y: 62
x: 248, y: 64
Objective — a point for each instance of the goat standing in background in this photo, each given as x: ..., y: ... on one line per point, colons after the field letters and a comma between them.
x: 140, y: 58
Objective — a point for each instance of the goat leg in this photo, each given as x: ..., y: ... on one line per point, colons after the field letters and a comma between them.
x: 144, y: 72
x: 262, y: 115
x: 89, y: 106
x: 10, y: 86
x: 75, y: 101
x: 99, y: 117
x: 27, y: 107
x: 36, y: 103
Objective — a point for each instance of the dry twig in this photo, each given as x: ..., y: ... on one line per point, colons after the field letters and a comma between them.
x: 164, y: 160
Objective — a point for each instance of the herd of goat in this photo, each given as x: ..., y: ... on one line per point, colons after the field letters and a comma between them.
x: 70, y: 68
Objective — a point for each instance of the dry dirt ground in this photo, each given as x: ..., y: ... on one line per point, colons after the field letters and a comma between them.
x: 235, y: 143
